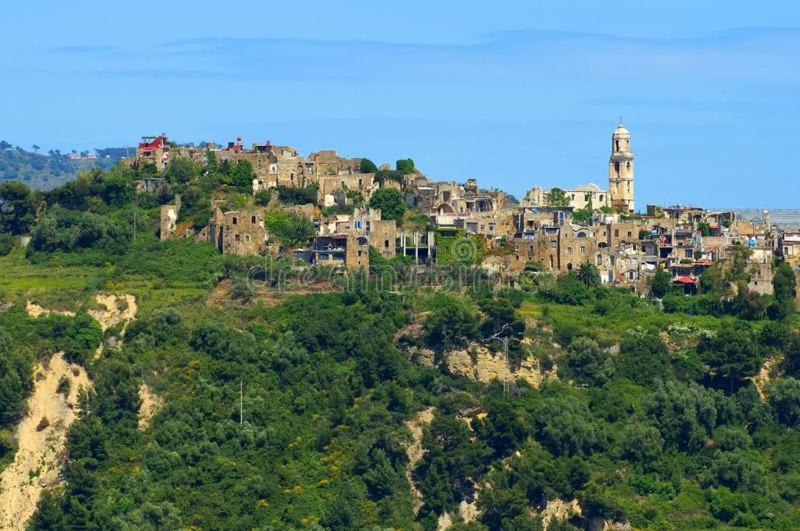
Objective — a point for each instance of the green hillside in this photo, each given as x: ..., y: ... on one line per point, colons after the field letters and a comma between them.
x: 42, y: 172
x: 290, y: 400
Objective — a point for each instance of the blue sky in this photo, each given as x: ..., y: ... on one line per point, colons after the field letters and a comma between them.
x: 515, y: 94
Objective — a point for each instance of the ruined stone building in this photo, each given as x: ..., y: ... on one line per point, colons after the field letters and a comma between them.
x: 239, y: 232
x: 169, y: 219
x: 577, y: 198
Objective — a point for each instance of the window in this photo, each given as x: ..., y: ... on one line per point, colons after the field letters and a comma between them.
x: 253, y: 220
x: 569, y: 250
x: 616, y: 233
x: 233, y: 221
x: 247, y: 238
x: 629, y: 164
x: 386, y: 244
x: 236, y: 237
x: 688, y: 253
x: 630, y: 234
x: 616, y: 167
x: 583, y: 249
x: 616, y: 143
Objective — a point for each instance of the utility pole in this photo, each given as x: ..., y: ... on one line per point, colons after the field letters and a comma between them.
x: 508, y: 367
x: 241, y: 402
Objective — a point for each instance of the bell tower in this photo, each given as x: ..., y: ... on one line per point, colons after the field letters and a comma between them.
x: 620, y: 170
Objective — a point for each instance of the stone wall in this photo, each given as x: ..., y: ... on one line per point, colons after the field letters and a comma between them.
x: 243, y: 232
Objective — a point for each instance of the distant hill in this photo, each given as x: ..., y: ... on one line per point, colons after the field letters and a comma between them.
x: 45, y: 171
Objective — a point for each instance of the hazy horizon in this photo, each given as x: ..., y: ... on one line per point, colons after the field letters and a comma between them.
x: 515, y: 96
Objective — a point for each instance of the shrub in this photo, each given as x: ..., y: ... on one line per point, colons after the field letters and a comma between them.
x: 6, y: 243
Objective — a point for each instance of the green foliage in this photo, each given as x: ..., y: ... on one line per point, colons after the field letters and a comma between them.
x: 70, y: 230
x: 784, y: 397
x: 685, y: 414
x: 15, y: 379
x: 585, y: 363
x: 367, y: 166
x: 784, y: 285
x: 732, y: 354
x: 292, y: 195
x: 450, y: 460
x: 643, y: 357
x: 568, y: 289
x: 289, y: 228
x: 17, y: 207
x: 588, y: 274
x: 660, y: 283
x: 452, y: 325
x: 390, y: 201
x: 6, y: 243
x: 181, y: 170
x: 557, y: 198
x: 405, y: 166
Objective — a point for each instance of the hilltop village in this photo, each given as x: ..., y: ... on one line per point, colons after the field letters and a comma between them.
x: 555, y: 230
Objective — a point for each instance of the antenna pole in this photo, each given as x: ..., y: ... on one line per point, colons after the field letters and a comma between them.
x: 508, y: 367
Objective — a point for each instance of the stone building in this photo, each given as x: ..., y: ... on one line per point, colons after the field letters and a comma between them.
x: 577, y: 198
x: 620, y: 171
x: 169, y: 219
x: 241, y: 232
x: 328, y: 162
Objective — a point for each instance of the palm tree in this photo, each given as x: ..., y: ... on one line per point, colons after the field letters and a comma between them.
x: 588, y: 274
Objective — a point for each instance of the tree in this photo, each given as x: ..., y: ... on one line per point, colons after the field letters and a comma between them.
x: 642, y: 442
x: 557, y: 198
x: 405, y: 166
x: 643, y: 357
x: 784, y: 285
x: 180, y: 170
x: 17, y: 207
x: 586, y: 363
x: 289, y: 228
x: 660, y: 283
x: 451, y: 326
x: 784, y: 397
x: 242, y: 175
x: 588, y: 274
x: 685, y: 414
x: 732, y: 353
x: 390, y: 201
x: 367, y: 166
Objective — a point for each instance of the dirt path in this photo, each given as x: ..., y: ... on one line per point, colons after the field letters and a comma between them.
x: 34, y: 310
x: 40, y: 456
x: 415, y: 450
x: 763, y: 377
x: 151, y: 403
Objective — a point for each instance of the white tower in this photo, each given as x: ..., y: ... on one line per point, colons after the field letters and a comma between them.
x: 620, y: 171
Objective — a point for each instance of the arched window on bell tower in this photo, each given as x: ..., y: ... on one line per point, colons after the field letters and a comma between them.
x: 616, y: 166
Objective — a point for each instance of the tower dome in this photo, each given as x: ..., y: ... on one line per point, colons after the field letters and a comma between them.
x: 621, y: 132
